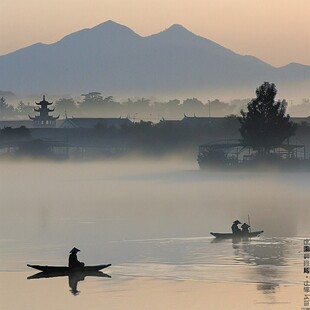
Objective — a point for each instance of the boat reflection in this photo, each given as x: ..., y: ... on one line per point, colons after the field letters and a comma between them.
x: 73, y: 277
x: 234, y: 240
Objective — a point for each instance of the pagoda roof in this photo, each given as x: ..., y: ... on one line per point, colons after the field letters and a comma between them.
x: 44, y: 102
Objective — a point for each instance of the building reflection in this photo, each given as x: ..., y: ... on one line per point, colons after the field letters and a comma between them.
x: 73, y: 277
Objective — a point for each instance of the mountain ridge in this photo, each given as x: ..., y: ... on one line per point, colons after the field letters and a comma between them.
x: 114, y: 58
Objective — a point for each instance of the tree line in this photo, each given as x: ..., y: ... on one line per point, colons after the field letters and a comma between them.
x: 263, y: 125
x: 94, y: 104
x: 143, y: 136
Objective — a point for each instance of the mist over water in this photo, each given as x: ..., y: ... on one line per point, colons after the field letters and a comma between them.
x: 76, y: 202
x: 153, y: 218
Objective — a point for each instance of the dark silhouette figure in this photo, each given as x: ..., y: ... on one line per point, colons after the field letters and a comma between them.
x: 245, y: 228
x: 73, y: 261
x: 74, y: 271
x: 266, y: 125
x: 235, y: 228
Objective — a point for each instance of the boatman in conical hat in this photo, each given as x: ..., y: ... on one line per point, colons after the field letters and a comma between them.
x: 235, y: 228
x: 245, y: 228
x: 73, y: 261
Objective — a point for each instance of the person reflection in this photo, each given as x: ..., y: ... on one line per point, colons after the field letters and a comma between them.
x: 74, y: 278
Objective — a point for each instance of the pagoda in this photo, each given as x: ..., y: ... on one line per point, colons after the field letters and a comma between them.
x: 44, y: 119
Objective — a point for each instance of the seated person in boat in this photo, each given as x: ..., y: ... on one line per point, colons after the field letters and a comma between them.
x: 245, y: 228
x: 235, y: 228
x: 73, y: 261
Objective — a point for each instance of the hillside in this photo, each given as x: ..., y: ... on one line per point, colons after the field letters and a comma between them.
x: 114, y: 59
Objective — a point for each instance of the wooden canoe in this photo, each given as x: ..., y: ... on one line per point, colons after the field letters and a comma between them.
x: 237, y: 236
x: 63, y: 269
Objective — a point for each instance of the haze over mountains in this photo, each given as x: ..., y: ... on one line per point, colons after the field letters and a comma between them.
x: 115, y: 60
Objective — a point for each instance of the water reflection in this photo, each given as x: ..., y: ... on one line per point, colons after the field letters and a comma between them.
x: 73, y: 277
x: 149, y: 231
x: 268, y: 259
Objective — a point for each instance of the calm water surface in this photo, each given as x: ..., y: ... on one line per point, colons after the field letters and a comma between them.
x: 152, y: 221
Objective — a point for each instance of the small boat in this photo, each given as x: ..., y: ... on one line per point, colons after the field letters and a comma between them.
x: 237, y: 236
x: 67, y: 270
x: 75, y: 275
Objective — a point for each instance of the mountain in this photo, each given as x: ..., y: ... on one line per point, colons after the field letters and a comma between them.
x: 114, y: 59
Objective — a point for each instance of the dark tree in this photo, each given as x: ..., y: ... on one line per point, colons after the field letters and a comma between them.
x: 219, y: 108
x: 191, y: 106
x: 6, y: 110
x: 24, y: 109
x: 265, y: 125
x: 91, y: 101
x: 66, y: 106
x: 94, y: 103
x: 93, y: 97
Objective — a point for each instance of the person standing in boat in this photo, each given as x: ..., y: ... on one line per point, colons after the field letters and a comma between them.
x: 245, y: 228
x: 73, y: 261
x: 235, y: 228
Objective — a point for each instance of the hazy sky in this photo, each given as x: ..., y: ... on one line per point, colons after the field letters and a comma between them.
x: 276, y: 31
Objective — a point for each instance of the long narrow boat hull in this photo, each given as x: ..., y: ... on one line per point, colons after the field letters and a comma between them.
x: 236, y: 236
x: 66, y: 270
